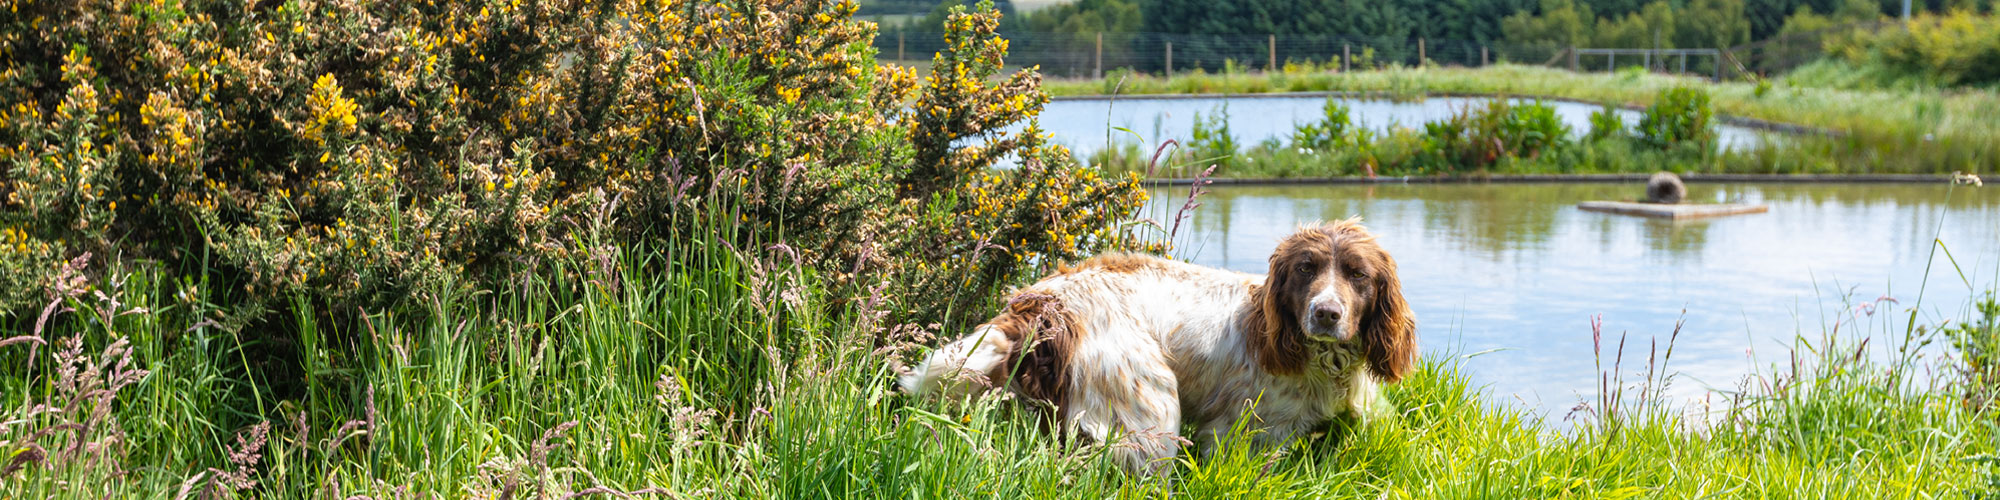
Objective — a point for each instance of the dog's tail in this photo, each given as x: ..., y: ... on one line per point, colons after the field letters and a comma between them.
x: 965, y: 366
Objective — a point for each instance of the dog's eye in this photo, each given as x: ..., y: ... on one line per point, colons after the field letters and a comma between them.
x: 1305, y: 267
x: 1357, y: 275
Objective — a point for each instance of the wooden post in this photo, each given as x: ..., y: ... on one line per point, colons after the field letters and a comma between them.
x: 1572, y: 59
x: 1684, y: 63
x: 1170, y: 59
x: 1718, y: 65
x: 1649, y: 61
x: 1345, y: 56
x: 1099, y: 71
x: 1483, y: 61
x: 899, y: 46
x: 1272, y: 66
x: 1611, y: 61
x: 1420, y: 53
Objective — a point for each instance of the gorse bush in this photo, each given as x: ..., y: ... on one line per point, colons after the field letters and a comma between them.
x: 347, y: 152
x: 1959, y: 48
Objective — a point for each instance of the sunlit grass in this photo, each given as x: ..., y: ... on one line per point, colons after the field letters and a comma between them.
x: 668, y: 381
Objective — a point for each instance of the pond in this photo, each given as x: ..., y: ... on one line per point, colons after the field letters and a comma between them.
x: 1516, y: 272
x: 1082, y: 124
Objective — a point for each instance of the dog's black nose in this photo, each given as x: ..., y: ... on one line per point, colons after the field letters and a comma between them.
x: 1326, y: 313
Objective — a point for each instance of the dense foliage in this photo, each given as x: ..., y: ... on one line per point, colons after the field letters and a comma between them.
x: 348, y: 153
x: 1680, y: 115
x: 1960, y: 48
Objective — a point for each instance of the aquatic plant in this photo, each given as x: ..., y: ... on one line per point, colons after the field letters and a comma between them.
x: 1679, y: 116
x: 1605, y: 124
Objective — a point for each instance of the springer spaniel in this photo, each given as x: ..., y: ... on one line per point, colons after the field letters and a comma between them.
x: 1128, y: 347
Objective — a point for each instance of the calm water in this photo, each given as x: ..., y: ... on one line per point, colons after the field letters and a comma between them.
x: 1517, y: 269
x: 1081, y: 124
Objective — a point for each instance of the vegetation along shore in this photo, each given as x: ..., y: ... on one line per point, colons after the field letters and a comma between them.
x: 1826, y: 130
x: 588, y: 248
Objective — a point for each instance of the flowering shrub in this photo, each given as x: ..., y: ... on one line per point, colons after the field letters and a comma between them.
x: 349, y: 152
x: 1958, y: 48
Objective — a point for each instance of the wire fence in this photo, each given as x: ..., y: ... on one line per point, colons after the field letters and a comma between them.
x: 1784, y: 52
x: 1091, y: 55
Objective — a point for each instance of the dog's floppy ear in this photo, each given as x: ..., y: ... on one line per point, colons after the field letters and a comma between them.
x: 1389, y: 330
x: 1274, y: 328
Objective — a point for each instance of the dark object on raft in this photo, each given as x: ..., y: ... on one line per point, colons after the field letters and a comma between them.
x: 1665, y: 187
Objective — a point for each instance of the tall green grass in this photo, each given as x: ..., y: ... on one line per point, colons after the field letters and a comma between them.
x: 706, y: 369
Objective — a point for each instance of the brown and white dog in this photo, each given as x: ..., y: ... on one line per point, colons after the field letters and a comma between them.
x: 1128, y: 347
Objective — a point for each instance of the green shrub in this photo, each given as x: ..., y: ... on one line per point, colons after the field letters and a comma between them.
x: 1336, y: 130
x: 1474, y: 139
x: 1679, y: 115
x: 1605, y: 123
x: 1211, y: 140
x: 1960, y: 48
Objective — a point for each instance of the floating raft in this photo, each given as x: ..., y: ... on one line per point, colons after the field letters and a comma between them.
x: 1674, y: 211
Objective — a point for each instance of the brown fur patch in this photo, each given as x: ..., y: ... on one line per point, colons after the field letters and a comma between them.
x: 1117, y: 262
x: 1388, y: 328
x: 1044, y: 335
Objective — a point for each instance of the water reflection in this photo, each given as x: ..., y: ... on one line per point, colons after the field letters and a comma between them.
x: 1517, y: 267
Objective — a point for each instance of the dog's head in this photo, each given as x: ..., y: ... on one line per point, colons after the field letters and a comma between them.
x: 1331, y: 283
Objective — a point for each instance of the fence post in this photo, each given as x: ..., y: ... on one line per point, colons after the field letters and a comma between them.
x: 1099, y: 72
x: 899, y: 46
x: 1344, y: 57
x: 1483, y: 61
x: 1684, y: 63
x: 1420, y: 52
x: 1170, y: 59
x: 1572, y: 58
x: 1273, y: 46
x: 1718, y: 64
x: 1611, y: 61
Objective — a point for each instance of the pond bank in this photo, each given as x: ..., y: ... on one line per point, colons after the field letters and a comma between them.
x: 1556, y: 178
x: 1876, y: 130
x: 1732, y: 120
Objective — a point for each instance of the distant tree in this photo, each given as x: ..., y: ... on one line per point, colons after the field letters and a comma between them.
x: 1651, y: 27
x: 1712, y: 24
x: 1557, y: 25
x: 1086, y: 16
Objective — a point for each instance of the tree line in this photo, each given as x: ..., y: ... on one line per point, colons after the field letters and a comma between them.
x: 1523, y: 30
